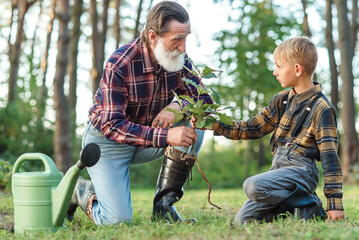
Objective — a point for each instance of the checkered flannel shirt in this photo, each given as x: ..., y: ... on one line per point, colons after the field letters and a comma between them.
x: 317, y: 139
x: 132, y: 92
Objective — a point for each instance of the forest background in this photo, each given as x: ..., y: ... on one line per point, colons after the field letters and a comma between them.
x: 52, y: 54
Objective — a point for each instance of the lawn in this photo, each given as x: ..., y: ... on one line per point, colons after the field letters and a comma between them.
x: 211, y: 222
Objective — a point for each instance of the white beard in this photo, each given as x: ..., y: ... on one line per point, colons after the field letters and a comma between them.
x: 170, y: 61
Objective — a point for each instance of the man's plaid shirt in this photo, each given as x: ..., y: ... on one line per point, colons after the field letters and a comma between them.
x: 317, y: 139
x: 132, y: 92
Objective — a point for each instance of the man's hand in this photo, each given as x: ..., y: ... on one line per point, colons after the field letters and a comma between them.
x: 336, y: 214
x: 164, y: 119
x: 181, y: 136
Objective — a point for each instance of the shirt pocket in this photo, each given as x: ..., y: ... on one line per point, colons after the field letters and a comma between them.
x: 137, y: 107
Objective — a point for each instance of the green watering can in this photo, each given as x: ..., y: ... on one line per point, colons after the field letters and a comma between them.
x: 41, y: 199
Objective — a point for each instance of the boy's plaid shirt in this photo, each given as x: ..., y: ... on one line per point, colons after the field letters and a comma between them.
x: 317, y: 139
x: 132, y: 92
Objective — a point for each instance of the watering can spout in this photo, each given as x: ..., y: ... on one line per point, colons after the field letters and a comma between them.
x: 61, y: 196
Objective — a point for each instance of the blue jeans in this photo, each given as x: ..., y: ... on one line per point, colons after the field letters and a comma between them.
x: 266, y: 190
x: 110, y: 176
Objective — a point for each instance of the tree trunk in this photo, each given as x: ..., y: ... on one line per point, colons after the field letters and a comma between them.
x: 354, y: 24
x: 330, y: 46
x: 117, y: 24
x: 76, y: 13
x: 98, y: 43
x: 62, y: 140
x: 44, y: 63
x: 305, y: 26
x: 136, y: 32
x: 15, y: 50
x: 349, y: 153
x: 14, y: 4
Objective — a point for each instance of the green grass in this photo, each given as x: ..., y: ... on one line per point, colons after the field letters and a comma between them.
x: 211, y: 222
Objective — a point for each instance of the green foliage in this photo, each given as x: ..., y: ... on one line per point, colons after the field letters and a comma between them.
x: 21, y: 132
x: 205, y: 114
x: 246, y: 50
x: 246, y: 53
x: 5, y: 174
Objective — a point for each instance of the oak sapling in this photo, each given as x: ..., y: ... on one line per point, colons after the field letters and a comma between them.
x: 204, y: 114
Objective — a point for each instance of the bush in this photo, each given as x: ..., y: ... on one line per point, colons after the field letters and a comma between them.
x: 5, y: 175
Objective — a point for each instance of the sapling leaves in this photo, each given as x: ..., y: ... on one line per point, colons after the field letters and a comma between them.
x: 216, y: 97
x: 204, y: 113
x: 208, y: 72
x: 225, y: 119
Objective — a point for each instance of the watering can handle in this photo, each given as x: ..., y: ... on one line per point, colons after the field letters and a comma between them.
x: 46, y: 160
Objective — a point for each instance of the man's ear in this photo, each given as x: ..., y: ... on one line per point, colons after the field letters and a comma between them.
x: 152, y: 36
x: 298, y: 69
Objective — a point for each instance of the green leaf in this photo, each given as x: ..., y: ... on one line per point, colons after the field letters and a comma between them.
x: 228, y: 107
x: 190, y: 82
x: 208, y: 71
x: 209, y: 122
x: 200, y: 123
x: 225, y: 119
x: 178, y: 99
x: 211, y: 75
x: 194, y: 66
x: 197, y: 111
x: 177, y: 119
x: 205, y: 106
x: 188, y: 98
x: 202, y: 90
x: 215, y: 106
x: 191, y: 71
x: 216, y: 97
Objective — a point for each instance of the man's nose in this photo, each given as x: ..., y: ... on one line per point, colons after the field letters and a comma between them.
x: 182, y: 47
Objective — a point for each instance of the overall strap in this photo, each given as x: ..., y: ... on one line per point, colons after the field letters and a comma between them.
x: 284, y: 105
x: 305, y: 114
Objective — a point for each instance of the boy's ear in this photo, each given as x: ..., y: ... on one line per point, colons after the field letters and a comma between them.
x: 298, y: 69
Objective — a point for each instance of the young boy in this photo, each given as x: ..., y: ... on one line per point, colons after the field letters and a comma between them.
x: 290, y: 183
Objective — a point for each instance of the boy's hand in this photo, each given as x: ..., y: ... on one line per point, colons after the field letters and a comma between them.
x: 193, y: 125
x: 336, y: 214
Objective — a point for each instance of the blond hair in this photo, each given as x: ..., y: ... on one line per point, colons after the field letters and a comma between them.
x: 298, y: 50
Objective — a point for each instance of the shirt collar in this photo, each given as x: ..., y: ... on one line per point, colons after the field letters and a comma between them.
x: 146, y: 59
x: 307, y: 94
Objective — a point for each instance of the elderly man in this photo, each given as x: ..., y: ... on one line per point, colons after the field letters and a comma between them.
x: 130, y: 123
